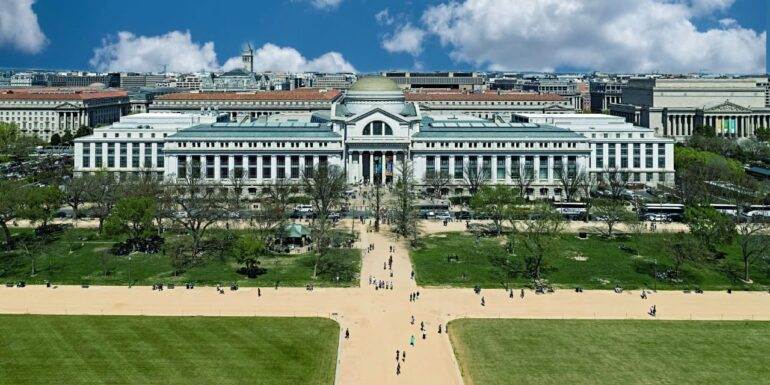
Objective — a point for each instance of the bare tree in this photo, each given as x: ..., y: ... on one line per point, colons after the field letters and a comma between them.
x: 616, y: 183
x: 326, y: 187
x: 588, y: 190
x: 473, y: 179
x: 571, y: 183
x: 200, y: 206
x: 273, y: 212
x: 522, y: 181
x: 404, y: 201
x: 376, y: 204
x: 437, y: 181
x: 754, y: 240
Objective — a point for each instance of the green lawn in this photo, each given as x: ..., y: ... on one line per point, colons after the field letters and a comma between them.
x: 82, y: 256
x: 492, y: 352
x: 166, y: 350
x: 593, y: 263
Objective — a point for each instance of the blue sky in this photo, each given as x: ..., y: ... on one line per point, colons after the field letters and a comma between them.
x: 427, y: 35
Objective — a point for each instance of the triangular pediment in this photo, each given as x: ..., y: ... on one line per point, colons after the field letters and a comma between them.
x: 556, y: 107
x: 726, y: 106
x: 378, y: 110
x: 66, y: 105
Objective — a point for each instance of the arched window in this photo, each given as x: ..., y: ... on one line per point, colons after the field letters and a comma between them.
x: 378, y: 128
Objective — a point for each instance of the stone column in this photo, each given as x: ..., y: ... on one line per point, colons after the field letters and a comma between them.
x: 493, y: 168
x: 273, y: 167
x: 371, y: 167
x: 451, y: 166
x: 259, y: 169
x: 508, y: 169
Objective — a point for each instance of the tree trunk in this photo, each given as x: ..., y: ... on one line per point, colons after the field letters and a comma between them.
x: 746, y: 268
x: 7, y: 234
x: 101, y: 224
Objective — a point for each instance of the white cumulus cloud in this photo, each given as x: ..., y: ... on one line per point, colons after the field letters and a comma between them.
x: 175, y: 50
x: 19, y: 27
x: 619, y: 35
x: 271, y: 57
x: 406, y: 38
x: 179, y: 53
x: 325, y: 4
x: 383, y: 17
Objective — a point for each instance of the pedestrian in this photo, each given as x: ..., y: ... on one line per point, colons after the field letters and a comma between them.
x: 347, y: 334
x: 422, y: 326
x: 398, y: 368
x: 412, y: 340
x: 510, y: 293
x: 259, y: 292
x: 412, y: 275
x: 412, y: 321
x: 423, y: 336
x: 522, y: 293
x: 403, y: 356
x: 398, y: 355
x: 482, y: 302
x: 439, y: 328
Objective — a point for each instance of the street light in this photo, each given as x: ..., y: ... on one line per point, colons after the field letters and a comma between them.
x: 129, y: 271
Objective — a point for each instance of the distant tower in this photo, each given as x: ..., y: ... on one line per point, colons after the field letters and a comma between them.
x: 248, y: 59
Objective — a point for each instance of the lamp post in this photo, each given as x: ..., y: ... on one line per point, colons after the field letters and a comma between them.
x: 129, y: 271
x: 655, y: 275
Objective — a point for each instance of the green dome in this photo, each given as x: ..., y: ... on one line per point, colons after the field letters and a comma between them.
x: 375, y: 83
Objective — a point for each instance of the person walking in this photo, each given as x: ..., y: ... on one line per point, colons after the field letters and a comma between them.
x: 259, y: 292
x: 483, y: 303
x: 522, y: 293
x: 412, y: 340
x: 398, y: 355
x: 403, y: 356
x: 347, y: 334
x: 398, y: 368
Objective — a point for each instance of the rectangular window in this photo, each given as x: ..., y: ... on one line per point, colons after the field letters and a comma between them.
x: 195, y: 168
x: 160, y: 156
x: 86, y: 155
x: 445, y: 166
x: 224, y: 167
x: 473, y: 166
x: 515, y: 167
x: 543, y: 168
x: 637, y: 155
x: 529, y: 167
x: 501, y: 168
x: 210, y: 173
x: 98, y: 153
x: 238, y: 167
x: 612, y: 163
x: 558, y: 166
x: 430, y: 165
x: 458, y: 167
x: 281, y: 164
x: 661, y: 156
x: 123, y: 149
x: 294, y: 167
x: 648, y: 156
x: 266, y: 167
x: 252, y: 167
x: 135, y: 155
x: 323, y: 160
x: 486, y: 167
x: 148, y: 155
x: 181, y: 169
x: 111, y: 155
x: 571, y: 167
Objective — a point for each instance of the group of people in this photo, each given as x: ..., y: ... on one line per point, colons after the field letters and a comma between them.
x: 380, y: 284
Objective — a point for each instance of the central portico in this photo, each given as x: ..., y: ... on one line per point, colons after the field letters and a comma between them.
x: 376, y: 123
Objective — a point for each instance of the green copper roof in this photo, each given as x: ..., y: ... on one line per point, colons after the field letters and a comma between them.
x: 375, y: 83
x: 257, y: 130
x: 431, y: 129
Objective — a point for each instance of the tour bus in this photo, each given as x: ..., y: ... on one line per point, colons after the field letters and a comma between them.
x: 662, y: 212
x: 571, y: 210
x: 430, y: 209
x: 758, y: 212
x: 727, y: 209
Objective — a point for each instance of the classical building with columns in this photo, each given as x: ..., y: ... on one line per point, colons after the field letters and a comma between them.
x: 674, y: 108
x: 43, y: 112
x: 490, y: 105
x: 367, y: 133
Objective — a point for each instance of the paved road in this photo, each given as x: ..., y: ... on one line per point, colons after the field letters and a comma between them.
x: 379, y: 320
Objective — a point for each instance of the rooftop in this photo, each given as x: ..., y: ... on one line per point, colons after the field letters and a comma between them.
x: 375, y: 83
x: 58, y: 94
x: 487, y: 130
x: 303, y: 94
x: 480, y: 96
x: 259, y: 129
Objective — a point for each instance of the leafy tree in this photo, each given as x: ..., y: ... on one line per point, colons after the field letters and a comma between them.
x: 611, y: 212
x: 248, y: 249
x: 754, y: 240
x: 132, y: 216
x: 76, y: 193
x: 9, y: 134
x: 14, y: 144
x: 12, y: 195
x: 508, y: 267
x: 762, y: 134
x: 55, y: 139
x: 710, y: 226
x: 103, y: 192
x: 540, y: 237
x: 180, y: 255
x: 706, y: 131
x: 41, y: 203
x: 496, y: 202
x: 403, y: 205
x: 83, y: 131
x: 67, y: 138
x: 326, y: 187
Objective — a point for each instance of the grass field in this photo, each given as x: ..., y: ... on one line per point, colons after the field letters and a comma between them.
x: 166, y: 350
x: 82, y: 256
x: 496, y: 352
x: 595, y: 263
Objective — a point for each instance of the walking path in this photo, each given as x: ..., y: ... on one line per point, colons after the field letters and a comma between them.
x: 379, y: 320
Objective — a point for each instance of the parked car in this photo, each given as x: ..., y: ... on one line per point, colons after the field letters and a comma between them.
x: 444, y: 216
